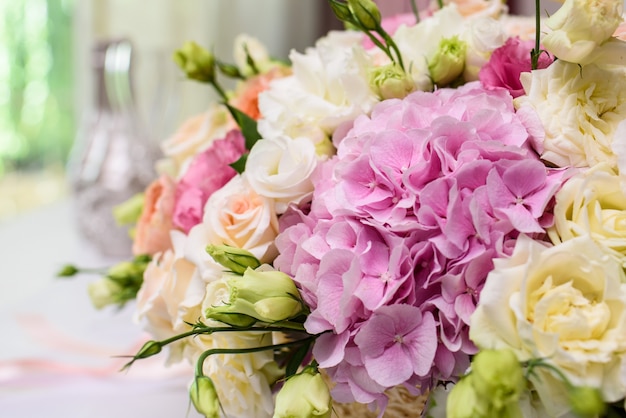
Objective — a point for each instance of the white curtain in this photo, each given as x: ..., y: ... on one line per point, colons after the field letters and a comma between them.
x: 158, y: 27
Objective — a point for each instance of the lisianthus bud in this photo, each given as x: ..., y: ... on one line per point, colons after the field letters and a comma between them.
x: 366, y: 13
x: 448, y: 62
x: 197, y: 63
x: 268, y: 296
x: 497, y: 375
x: 204, y: 397
x: 492, y: 389
x: 68, y: 271
x: 462, y: 401
x: 235, y: 259
x: 304, y: 395
x: 104, y: 292
x: 149, y: 349
x: 127, y: 270
x: 128, y: 212
x: 341, y: 10
x: 586, y: 402
x: 391, y: 82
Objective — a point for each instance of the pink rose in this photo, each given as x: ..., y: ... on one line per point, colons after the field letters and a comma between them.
x: 507, y: 63
x: 208, y: 172
x: 154, y: 225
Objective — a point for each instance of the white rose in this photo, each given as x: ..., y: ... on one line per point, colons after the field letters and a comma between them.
x: 483, y: 36
x: 236, y: 215
x: 565, y: 304
x: 580, y: 26
x: 280, y: 168
x: 579, y: 108
x: 592, y: 203
x: 329, y: 86
x: 194, y: 136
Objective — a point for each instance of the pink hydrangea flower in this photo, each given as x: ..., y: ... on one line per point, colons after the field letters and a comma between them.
x: 508, y: 62
x: 208, y: 172
x: 420, y: 198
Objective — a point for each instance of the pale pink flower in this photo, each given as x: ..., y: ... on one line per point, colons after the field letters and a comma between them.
x: 508, y: 62
x: 208, y: 172
x: 404, y: 216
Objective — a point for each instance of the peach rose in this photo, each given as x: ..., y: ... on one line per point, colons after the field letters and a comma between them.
x: 237, y: 216
x: 247, y: 95
x: 153, y: 228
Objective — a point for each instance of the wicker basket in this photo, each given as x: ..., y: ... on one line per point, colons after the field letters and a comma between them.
x: 401, y: 405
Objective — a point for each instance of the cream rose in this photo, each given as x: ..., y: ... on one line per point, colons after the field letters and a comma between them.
x: 580, y: 109
x: 565, y: 304
x: 194, y: 136
x: 280, y: 168
x: 579, y: 27
x: 170, y: 297
x: 237, y: 216
x: 592, y: 203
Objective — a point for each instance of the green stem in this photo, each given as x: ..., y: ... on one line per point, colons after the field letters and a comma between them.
x: 212, y: 330
x: 390, y: 42
x: 219, y: 90
x: 440, y: 3
x: 534, y: 57
x: 416, y: 11
x: 206, y: 354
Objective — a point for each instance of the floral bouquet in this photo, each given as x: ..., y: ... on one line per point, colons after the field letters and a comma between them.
x: 434, y: 201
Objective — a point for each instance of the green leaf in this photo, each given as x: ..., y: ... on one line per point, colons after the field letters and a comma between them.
x: 247, y: 126
x: 240, y: 164
x: 296, y: 360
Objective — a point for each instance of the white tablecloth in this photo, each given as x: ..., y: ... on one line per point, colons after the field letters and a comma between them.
x: 56, y: 351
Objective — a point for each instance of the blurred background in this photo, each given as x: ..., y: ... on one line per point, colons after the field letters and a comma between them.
x: 48, y: 83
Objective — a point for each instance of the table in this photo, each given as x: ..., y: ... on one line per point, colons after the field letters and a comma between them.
x: 56, y: 350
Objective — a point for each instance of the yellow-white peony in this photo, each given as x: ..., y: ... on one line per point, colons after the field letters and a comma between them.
x: 565, y: 304
x: 592, y: 203
x: 581, y: 27
x: 580, y: 109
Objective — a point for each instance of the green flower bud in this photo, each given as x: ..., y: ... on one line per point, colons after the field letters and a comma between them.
x: 229, y: 70
x: 586, y: 402
x: 341, y: 10
x: 268, y: 296
x: 149, y: 349
x: 104, y: 292
x: 126, y: 270
x: 128, y: 212
x: 236, y: 320
x: 366, y: 13
x: 463, y: 401
x: 304, y: 395
x: 204, y: 397
x: 497, y: 376
x: 390, y: 81
x: 235, y: 259
x: 67, y: 271
x: 448, y: 62
x: 196, y: 62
